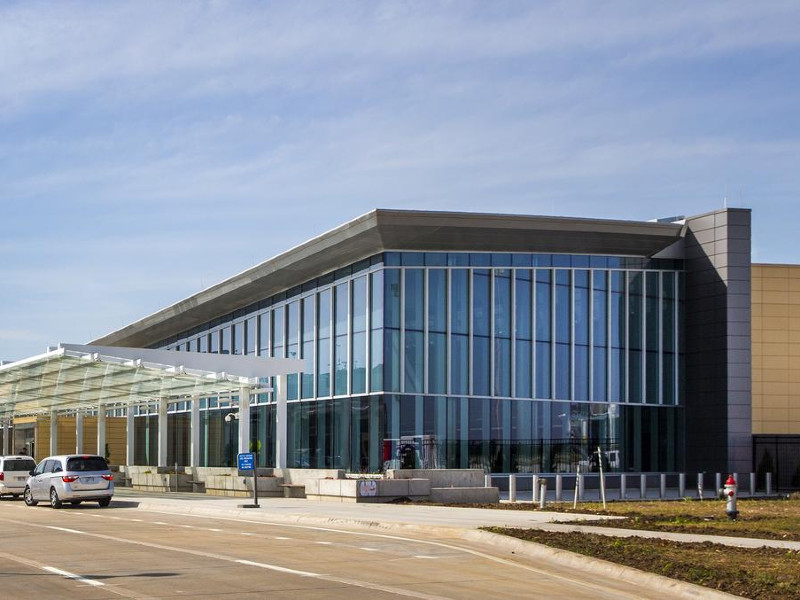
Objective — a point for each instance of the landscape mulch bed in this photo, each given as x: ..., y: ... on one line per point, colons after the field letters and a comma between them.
x: 758, y: 573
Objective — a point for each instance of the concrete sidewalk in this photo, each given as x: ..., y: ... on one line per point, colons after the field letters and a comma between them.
x: 399, y: 516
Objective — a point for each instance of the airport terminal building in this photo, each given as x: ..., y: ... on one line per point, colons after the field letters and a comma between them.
x: 451, y: 340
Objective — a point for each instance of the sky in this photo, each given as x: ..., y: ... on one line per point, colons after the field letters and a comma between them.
x: 151, y: 149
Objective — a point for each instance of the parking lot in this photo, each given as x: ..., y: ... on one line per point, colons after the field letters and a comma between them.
x: 89, y: 552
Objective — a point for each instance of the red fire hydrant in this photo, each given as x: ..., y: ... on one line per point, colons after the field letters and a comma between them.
x: 730, y: 496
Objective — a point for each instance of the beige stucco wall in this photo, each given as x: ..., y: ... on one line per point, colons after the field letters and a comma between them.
x: 776, y: 348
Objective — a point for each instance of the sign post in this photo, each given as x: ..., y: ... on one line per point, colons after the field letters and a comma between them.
x: 247, y: 462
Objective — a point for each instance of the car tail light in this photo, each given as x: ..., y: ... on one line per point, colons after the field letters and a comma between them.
x: 2, y: 476
x: 107, y: 477
x: 68, y: 478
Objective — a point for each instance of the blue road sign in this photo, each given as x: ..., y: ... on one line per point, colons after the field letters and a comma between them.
x: 247, y: 461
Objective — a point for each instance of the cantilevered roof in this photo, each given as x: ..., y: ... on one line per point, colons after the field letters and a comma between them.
x: 382, y: 230
x: 74, y: 377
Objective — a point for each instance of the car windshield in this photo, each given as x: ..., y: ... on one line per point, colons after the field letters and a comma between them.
x: 87, y: 463
x: 19, y: 464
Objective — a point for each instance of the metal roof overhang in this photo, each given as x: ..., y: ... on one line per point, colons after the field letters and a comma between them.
x: 381, y: 230
x: 76, y: 377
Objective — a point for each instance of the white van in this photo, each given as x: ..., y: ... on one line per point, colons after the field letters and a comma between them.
x: 14, y: 472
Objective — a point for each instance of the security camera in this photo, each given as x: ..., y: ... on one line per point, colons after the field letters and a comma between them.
x: 231, y: 416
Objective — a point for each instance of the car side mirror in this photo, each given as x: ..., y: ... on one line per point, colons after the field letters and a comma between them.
x: 31, y: 472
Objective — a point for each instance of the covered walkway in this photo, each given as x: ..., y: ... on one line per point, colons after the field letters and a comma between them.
x: 79, y: 381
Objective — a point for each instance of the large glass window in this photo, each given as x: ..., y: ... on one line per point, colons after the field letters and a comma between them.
x: 238, y: 338
x: 293, y: 348
x: 391, y: 343
x: 251, y: 340
x: 523, y: 368
x: 225, y: 340
x: 481, y: 323
x: 618, y: 336
x: 437, y: 330
x: 278, y: 332
x: 581, y: 333
x: 376, y: 332
x: 264, y: 334
x: 635, y: 318
x: 563, y: 317
x: 652, y: 338
x: 307, y: 335
x: 213, y: 342
x: 340, y: 348
x: 599, y: 335
x: 502, y: 332
x: 669, y: 325
x: 459, y: 331
x: 414, y: 330
x: 359, y: 349
x: 324, y: 343
x: 544, y: 326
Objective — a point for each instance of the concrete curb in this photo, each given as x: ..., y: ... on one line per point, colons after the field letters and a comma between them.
x: 573, y: 560
x: 497, y: 542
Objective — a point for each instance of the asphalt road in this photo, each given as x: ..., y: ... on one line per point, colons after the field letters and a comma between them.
x: 89, y: 553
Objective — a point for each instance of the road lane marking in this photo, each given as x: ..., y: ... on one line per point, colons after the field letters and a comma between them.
x: 222, y: 557
x: 324, y: 543
x: 113, y: 589
x: 278, y: 537
x: 593, y: 586
x: 369, y: 549
x: 212, y: 529
x: 74, y: 576
x: 279, y: 569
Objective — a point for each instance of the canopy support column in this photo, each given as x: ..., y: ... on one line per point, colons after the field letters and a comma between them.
x: 194, y: 432
x: 101, y: 430
x: 281, y: 386
x: 7, y: 433
x: 162, y: 432
x: 79, y: 432
x: 53, y: 433
x: 244, y: 418
x: 130, y: 436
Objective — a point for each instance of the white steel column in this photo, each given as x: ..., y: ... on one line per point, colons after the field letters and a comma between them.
x: 162, y: 432
x: 53, y: 433
x: 101, y: 430
x: 7, y: 433
x: 79, y: 432
x: 194, y: 432
x: 130, y: 436
x: 244, y: 418
x: 281, y: 429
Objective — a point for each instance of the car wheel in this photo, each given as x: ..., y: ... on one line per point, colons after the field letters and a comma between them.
x: 29, y: 497
x: 55, y: 501
x: 104, y: 502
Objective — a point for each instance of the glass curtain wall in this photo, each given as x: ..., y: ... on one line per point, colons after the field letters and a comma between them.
x: 509, y: 362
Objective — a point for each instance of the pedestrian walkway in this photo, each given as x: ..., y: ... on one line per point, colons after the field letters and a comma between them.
x: 391, y: 516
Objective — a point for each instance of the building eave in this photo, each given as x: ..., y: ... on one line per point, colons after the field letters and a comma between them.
x: 381, y: 230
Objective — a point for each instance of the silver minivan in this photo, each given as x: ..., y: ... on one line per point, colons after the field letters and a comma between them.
x: 14, y: 472
x: 72, y: 478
